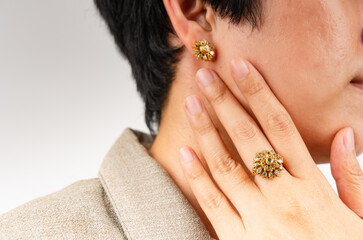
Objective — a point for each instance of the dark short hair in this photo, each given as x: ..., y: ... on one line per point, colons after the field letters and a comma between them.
x: 141, y: 29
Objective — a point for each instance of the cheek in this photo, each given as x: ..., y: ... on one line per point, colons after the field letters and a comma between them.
x: 306, y: 43
x: 312, y: 70
x: 304, y: 53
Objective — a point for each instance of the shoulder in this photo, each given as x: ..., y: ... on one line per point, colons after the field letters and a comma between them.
x: 78, y: 211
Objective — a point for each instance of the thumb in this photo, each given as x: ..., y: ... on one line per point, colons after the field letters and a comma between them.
x: 346, y: 170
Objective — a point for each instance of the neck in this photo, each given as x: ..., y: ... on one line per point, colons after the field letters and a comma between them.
x: 174, y: 133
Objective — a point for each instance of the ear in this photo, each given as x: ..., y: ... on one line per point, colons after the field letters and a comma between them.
x: 192, y: 21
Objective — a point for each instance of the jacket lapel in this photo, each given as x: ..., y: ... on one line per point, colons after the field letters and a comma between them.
x: 147, y: 202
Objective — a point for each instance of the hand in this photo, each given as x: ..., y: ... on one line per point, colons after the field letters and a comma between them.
x: 297, y: 204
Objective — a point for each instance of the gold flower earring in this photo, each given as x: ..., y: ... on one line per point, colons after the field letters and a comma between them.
x: 203, y: 50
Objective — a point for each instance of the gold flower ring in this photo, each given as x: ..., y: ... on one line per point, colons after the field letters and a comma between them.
x: 268, y: 164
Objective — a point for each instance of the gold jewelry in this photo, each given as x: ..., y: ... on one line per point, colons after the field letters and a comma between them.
x: 203, y: 50
x: 268, y: 164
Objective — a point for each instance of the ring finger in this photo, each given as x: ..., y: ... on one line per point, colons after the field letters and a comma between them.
x: 243, y: 130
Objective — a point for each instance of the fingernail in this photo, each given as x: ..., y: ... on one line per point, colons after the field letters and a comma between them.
x: 349, y: 140
x: 205, y: 77
x: 194, y: 107
x: 186, y: 155
x: 240, y: 68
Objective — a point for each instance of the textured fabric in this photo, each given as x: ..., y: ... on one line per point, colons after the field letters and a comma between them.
x: 79, y: 211
x: 132, y: 198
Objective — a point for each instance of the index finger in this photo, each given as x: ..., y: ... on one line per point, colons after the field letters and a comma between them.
x: 276, y: 122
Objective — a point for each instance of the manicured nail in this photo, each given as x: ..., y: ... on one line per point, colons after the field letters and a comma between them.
x: 205, y: 77
x: 186, y: 155
x: 349, y: 140
x: 194, y: 106
x: 240, y: 68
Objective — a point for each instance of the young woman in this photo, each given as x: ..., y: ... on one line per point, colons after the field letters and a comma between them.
x: 234, y: 140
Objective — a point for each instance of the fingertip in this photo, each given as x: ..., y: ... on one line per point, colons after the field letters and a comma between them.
x: 337, y: 153
x: 240, y: 68
x: 348, y: 139
x: 342, y: 155
x: 204, y: 77
x: 193, y: 105
x: 186, y: 155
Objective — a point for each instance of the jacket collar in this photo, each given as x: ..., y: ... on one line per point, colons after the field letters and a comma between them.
x: 147, y: 202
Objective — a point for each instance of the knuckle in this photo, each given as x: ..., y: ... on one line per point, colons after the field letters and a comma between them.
x: 219, y: 95
x: 293, y: 215
x: 204, y: 129
x: 195, y: 175
x: 238, y: 181
x: 293, y: 210
x: 225, y: 165
x: 252, y: 86
x: 280, y: 123
x: 355, y: 173
x: 214, y: 201
x: 244, y: 130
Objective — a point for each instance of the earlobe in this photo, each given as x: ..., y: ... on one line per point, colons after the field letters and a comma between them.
x: 188, y: 18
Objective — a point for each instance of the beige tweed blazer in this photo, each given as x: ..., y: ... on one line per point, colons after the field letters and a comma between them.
x: 132, y: 198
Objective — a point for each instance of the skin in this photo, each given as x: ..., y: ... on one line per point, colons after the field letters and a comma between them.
x: 306, y: 208
x: 307, y: 52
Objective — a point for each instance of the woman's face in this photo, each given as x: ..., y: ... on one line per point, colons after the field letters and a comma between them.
x: 309, y: 52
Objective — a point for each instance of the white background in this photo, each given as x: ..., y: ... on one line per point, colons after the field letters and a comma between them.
x: 66, y: 94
